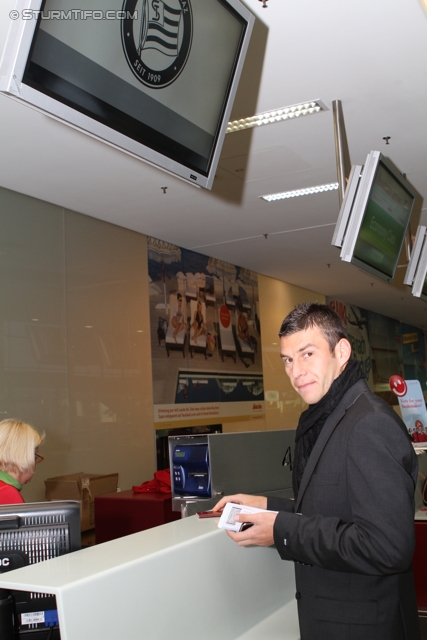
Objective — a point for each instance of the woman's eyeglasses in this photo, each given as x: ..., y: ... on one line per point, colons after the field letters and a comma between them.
x: 39, y: 458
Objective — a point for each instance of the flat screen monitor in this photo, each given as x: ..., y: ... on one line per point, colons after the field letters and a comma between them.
x: 416, y: 273
x: 347, y: 205
x: 374, y: 217
x: 155, y: 78
x: 31, y: 533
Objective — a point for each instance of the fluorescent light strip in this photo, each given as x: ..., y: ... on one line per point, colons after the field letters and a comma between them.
x: 269, y: 117
x: 300, y: 192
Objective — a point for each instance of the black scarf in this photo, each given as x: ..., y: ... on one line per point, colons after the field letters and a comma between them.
x: 312, y: 419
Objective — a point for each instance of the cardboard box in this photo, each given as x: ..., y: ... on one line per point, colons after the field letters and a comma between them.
x: 82, y: 487
x: 88, y: 538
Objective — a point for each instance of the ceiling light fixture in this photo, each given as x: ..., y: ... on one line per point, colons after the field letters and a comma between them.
x: 270, y: 117
x: 300, y: 192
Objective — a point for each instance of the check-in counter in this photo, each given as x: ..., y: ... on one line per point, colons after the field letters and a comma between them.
x: 206, y: 467
x: 419, y: 563
x: 186, y: 579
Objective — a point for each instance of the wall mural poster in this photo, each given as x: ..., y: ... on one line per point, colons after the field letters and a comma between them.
x: 385, y: 347
x: 356, y: 324
x: 205, y: 337
x: 376, y: 343
x: 414, y: 355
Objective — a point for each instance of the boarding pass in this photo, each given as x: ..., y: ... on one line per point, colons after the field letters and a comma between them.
x: 232, y: 509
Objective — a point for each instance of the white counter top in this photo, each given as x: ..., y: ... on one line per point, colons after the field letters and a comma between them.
x: 185, y: 575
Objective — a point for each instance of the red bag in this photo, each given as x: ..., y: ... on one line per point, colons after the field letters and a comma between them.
x: 160, y: 484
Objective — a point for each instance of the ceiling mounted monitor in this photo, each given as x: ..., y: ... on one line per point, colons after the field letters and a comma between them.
x: 374, y: 217
x: 154, y: 78
x: 416, y: 273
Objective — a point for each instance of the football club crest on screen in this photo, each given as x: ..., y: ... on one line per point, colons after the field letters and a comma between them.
x: 156, y: 37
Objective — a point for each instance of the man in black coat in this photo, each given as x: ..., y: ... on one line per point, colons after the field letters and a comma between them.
x: 350, y: 529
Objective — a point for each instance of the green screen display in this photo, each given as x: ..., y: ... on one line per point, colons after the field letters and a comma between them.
x: 384, y: 223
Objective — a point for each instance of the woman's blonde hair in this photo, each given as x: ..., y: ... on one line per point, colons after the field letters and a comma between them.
x: 18, y: 443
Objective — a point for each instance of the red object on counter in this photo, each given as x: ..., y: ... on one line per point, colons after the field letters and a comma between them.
x: 161, y: 483
x: 120, y: 514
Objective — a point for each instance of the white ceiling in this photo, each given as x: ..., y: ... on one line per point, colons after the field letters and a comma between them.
x: 370, y: 55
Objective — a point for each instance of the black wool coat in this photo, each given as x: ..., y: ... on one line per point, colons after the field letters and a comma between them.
x: 351, y: 529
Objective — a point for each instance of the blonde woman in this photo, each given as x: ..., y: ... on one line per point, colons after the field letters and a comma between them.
x: 19, y: 455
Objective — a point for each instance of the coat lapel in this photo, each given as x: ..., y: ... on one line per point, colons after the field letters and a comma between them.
x: 329, y: 427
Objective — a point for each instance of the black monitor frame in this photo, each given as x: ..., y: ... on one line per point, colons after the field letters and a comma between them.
x: 30, y: 533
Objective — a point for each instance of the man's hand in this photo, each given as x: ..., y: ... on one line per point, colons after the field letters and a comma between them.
x: 260, y: 502
x: 260, y: 534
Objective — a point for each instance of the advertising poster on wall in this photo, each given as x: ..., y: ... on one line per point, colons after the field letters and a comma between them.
x: 205, y: 338
x: 412, y: 407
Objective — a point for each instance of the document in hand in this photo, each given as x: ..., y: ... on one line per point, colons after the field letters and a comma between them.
x: 230, y: 510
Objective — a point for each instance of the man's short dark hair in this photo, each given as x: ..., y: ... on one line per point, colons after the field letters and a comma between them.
x: 312, y: 314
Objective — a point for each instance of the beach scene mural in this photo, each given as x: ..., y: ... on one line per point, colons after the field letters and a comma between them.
x: 205, y: 337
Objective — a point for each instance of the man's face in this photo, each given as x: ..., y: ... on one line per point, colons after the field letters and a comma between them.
x: 310, y: 364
